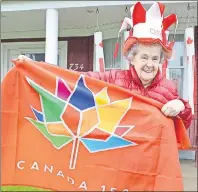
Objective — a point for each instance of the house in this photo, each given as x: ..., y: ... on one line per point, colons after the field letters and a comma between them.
x: 61, y: 32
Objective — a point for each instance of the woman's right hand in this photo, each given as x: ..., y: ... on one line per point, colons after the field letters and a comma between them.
x: 23, y: 58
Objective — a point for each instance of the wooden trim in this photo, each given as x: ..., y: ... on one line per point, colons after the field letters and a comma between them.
x: 37, y: 39
x: 22, y: 40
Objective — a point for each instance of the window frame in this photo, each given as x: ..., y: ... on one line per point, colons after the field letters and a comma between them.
x: 122, y: 58
x: 15, y: 48
x: 183, y: 67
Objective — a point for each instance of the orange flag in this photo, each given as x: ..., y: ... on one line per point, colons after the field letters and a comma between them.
x: 64, y: 131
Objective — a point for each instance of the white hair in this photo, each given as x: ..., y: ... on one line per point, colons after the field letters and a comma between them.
x: 134, y: 50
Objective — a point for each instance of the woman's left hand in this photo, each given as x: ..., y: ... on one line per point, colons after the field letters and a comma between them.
x: 173, y: 108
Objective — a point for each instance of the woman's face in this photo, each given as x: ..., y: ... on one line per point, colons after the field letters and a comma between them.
x: 146, y: 62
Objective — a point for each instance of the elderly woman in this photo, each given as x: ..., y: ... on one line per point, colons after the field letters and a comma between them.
x: 145, y: 78
x: 145, y: 50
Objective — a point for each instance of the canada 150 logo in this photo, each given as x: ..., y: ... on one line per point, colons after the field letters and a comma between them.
x: 81, y: 117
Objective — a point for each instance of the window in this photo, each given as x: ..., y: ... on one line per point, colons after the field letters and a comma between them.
x: 176, y: 75
x: 109, y: 47
x: 34, y: 50
x: 177, y: 58
x: 37, y: 56
x: 176, y: 65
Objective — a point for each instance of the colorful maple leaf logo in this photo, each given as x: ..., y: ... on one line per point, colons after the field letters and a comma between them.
x: 80, y: 116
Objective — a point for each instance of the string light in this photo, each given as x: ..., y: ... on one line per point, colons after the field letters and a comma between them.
x: 97, y: 20
x: 190, y: 18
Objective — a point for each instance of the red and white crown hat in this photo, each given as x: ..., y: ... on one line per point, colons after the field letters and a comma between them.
x: 149, y: 27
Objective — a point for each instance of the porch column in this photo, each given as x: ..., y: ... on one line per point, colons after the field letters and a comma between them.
x: 51, y: 44
x: 125, y: 61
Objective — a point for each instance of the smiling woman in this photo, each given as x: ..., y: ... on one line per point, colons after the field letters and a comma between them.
x: 146, y: 60
x: 145, y: 49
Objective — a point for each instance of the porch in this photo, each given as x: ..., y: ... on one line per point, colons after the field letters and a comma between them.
x: 54, y: 31
x: 63, y: 32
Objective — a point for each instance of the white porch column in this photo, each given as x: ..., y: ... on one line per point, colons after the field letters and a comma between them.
x: 125, y: 61
x: 99, y: 53
x: 51, y: 44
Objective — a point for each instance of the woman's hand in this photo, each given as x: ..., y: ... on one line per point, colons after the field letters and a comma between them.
x: 173, y: 108
x: 23, y: 58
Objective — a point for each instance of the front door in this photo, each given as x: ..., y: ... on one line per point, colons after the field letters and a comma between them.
x: 80, y: 54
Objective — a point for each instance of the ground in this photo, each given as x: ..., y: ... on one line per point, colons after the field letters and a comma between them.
x: 189, y: 171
